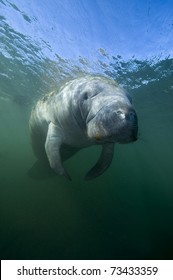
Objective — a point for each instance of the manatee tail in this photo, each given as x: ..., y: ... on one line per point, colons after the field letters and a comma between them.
x: 40, y: 171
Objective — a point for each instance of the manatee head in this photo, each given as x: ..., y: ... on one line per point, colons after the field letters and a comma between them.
x: 108, y: 112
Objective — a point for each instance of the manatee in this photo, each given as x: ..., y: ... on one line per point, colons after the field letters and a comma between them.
x: 86, y: 111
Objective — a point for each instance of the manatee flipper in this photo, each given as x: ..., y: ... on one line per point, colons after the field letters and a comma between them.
x: 103, y: 162
x: 52, y: 147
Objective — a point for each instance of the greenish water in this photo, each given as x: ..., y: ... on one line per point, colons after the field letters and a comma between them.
x: 124, y: 214
x: 127, y: 213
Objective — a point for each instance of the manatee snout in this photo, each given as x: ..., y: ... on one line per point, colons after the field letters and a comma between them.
x: 113, y: 124
x: 131, y: 124
x: 126, y: 125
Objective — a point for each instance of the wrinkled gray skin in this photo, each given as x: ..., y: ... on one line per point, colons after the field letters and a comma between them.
x: 90, y: 110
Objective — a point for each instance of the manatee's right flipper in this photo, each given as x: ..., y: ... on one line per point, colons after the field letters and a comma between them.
x: 103, y: 163
x: 52, y: 147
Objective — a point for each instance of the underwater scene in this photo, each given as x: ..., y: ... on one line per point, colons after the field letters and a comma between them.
x: 126, y: 212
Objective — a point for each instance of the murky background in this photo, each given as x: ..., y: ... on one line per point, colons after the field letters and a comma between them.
x: 127, y: 213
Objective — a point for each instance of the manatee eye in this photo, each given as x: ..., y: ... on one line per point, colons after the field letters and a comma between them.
x: 85, y: 95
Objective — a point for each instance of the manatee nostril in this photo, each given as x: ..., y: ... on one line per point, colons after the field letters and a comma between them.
x: 119, y: 112
x: 132, y: 116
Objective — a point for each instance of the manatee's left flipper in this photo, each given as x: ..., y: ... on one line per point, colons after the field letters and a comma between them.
x: 52, y: 147
x: 103, y: 163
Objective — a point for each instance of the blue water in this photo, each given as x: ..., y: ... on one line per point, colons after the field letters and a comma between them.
x: 127, y: 212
